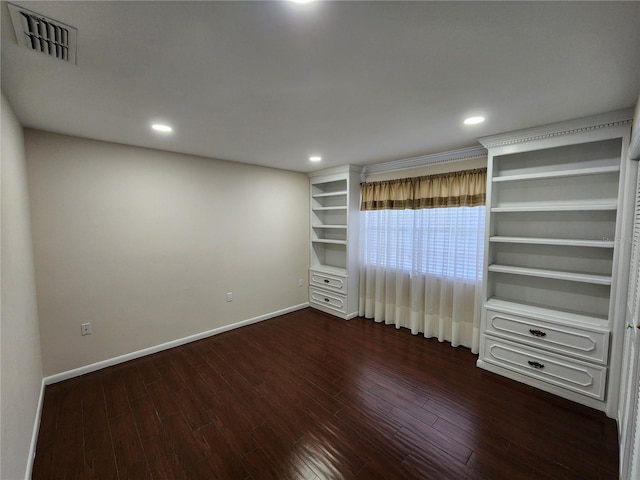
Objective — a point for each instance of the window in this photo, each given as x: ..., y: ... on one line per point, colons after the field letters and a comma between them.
x: 443, y: 242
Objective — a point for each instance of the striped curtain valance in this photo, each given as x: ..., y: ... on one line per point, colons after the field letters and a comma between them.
x: 466, y: 188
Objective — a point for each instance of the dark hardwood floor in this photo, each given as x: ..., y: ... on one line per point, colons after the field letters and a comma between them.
x: 307, y: 395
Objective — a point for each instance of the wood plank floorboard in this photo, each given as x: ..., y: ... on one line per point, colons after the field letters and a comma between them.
x: 309, y: 396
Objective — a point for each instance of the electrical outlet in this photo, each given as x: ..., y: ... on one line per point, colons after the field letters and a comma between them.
x: 300, y: 284
x: 229, y: 296
x: 85, y: 329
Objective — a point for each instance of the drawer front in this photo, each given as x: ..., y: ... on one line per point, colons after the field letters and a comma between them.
x: 328, y: 281
x: 561, y: 371
x: 583, y: 343
x: 328, y: 299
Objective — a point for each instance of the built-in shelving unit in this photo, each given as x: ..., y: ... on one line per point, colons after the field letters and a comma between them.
x: 333, y: 277
x: 557, y: 203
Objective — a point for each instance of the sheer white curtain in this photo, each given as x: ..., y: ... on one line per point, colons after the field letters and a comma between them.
x: 422, y: 269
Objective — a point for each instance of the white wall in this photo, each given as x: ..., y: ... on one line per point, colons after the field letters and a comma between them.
x: 144, y: 244
x: 21, y: 366
x: 434, y: 169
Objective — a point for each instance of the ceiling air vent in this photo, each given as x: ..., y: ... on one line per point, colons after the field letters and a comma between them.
x: 44, y: 35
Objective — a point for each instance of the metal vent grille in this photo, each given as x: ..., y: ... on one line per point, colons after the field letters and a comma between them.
x: 44, y: 35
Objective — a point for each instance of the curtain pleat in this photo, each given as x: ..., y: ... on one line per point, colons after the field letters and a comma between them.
x: 456, y: 189
x: 446, y: 309
x: 421, y: 263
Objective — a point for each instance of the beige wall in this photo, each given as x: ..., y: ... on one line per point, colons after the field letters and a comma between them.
x: 428, y: 170
x: 21, y: 366
x: 144, y: 244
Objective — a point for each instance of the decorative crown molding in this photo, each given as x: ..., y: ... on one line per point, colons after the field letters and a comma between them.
x: 470, y: 153
x: 584, y: 124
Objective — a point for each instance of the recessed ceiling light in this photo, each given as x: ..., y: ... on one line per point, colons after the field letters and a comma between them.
x: 315, y: 158
x: 302, y: 1
x: 159, y: 127
x: 473, y: 120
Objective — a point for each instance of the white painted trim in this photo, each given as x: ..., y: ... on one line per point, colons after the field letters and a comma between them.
x: 34, y: 437
x: 59, y: 377
x: 470, y: 153
x: 604, y: 120
x: 634, y: 146
x: 341, y: 169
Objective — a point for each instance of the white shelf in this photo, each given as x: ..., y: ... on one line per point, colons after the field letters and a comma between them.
x: 553, y: 274
x: 556, y: 208
x: 569, y: 242
x: 324, y: 209
x: 342, y: 227
x: 330, y: 194
x: 334, y: 242
x: 558, y: 174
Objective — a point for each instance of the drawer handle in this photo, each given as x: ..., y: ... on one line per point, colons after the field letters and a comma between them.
x: 327, y: 300
x: 326, y: 281
x: 537, y: 333
x: 537, y: 365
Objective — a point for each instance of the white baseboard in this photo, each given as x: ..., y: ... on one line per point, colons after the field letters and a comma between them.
x: 59, y: 377
x: 36, y: 431
x: 333, y: 311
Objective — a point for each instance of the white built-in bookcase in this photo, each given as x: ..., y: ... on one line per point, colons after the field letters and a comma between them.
x: 558, y: 211
x: 333, y: 273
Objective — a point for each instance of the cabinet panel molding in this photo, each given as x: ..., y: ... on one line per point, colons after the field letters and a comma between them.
x: 575, y: 340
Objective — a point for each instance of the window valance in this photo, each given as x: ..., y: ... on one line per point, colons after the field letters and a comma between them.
x: 466, y: 188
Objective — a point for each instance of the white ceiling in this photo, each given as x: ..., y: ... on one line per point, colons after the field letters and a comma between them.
x: 272, y: 82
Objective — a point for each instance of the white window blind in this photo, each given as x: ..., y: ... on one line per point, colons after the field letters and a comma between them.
x: 442, y: 242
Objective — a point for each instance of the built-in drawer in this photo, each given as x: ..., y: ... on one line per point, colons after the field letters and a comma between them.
x: 574, y: 375
x: 583, y: 342
x: 331, y: 300
x: 326, y: 280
